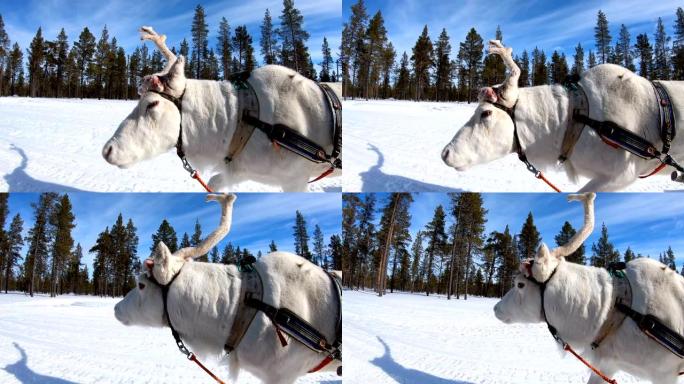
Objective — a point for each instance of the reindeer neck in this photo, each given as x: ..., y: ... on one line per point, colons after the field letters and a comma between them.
x: 209, y: 120
x: 541, y: 117
x: 202, y: 304
x: 578, y: 301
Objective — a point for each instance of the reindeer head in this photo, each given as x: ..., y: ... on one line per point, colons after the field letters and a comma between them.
x: 522, y: 304
x: 144, y: 304
x: 488, y: 135
x: 152, y: 128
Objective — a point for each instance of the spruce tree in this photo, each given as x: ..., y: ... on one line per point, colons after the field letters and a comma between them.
x: 591, y: 60
x: 39, y: 239
x: 4, y: 52
x: 629, y: 255
x: 494, y: 70
x: 436, y: 237
x: 602, y: 37
x: 417, y: 253
x: 14, y: 69
x: 272, y: 247
x: 326, y: 64
x: 35, y: 59
x: 540, y: 74
x: 443, y: 69
x: 74, y: 270
x: 228, y: 255
x: 669, y: 258
x: 185, y: 52
x: 63, y: 221
x: 295, y: 55
x: 562, y: 238
x: 185, y: 241
x: 214, y: 255
x: 604, y: 252
x: 225, y: 49
x: 318, y: 246
x: 301, y: 237
x: 336, y: 255
x: 12, y: 244
x: 528, y: 239
x: 578, y: 62
x: 167, y: 234
x: 387, y: 60
x: 403, y: 86
x: 524, y: 64
x: 558, y: 68
x: 678, y: 46
x: 422, y: 59
x: 623, y: 49
x: 269, y: 40
x: 645, y: 53
x: 101, y: 62
x: 200, y: 41
x: 196, y: 239
x: 661, y: 54
x: 85, y: 49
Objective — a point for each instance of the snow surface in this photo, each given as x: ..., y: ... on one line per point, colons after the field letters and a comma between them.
x: 396, y: 146
x: 76, y: 339
x: 55, y: 144
x: 411, y: 338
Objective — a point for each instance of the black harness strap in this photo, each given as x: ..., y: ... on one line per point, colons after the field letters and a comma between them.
x: 656, y: 330
x: 542, y: 290
x: 516, y: 138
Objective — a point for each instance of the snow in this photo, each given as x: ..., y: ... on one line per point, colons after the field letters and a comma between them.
x: 54, y: 145
x: 411, y: 338
x: 396, y: 146
x: 76, y: 339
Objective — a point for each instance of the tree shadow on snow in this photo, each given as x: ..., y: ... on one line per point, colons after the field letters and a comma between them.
x: 20, y: 181
x: 25, y: 375
x: 406, y: 375
x: 375, y: 180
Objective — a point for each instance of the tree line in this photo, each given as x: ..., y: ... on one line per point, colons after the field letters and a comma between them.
x: 452, y: 254
x: 371, y: 68
x: 53, y: 261
x: 100, y: 68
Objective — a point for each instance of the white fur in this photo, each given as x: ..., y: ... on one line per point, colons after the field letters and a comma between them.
x: 542, y: 114
x: 210, y: 120
x: 202, y: 304
x: 579, y: 299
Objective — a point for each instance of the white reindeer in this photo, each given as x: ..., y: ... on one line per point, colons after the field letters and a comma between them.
x: 203, y: 299
x: 210, y: 118
x: 578, y: 300
x: 542, y: 115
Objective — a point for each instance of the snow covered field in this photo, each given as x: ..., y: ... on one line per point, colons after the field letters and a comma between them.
x: 396, y: 146
x: 76, y: 339
x: 54, y: 145
x: 409, y: 338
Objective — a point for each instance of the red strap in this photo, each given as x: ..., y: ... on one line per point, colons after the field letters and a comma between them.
x: 324, y: 174
x: 595, y: 370
x: 195, y: 175
x: 322, y: 364
x: 660, y: 168
x: 192, y: 357
x: 281, y: 337
x: 544, y: 179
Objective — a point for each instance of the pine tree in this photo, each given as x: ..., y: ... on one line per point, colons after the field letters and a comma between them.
x: 375, y: 43
x: 678, y: 46
x: 214, y: 255
x: 35, y: 59
x: 225, y: 49
x: 353, y: 33
x: 301, y: 237
x: 392, y: 235
x: 604, y: 251
x: 387, y: 60
x: 524, y: 64
x: 669, y: 258
x: 629, y: 255
x: 623, y: 49
x: 14, y: 69
x: 540, y: 74
x: 645, y: 53
x: 272, y: 247
x: 335, y: 247
x: 100, y: 61
x: 74, y: 270
x: 228, y: 255
x: 242, y: 46
x: 318, y: 246
x: 295, y: 55
x: 326, y: 64
x: 39, y: 238
x: 562, y: 238
x: 63, y: 221
x: 417, y: 252
x: 558, y: 68
x: 185, y: 52
x: 4, y: 211
x: 269, y: 42
x: 592, y: 59
x: 12, y: 244
x: 661, y: 55
x: 185, y: 241
x: 4, y: 52
x: 166, y: 234
x: 602, y: 36
x: 196, y: 239
x: 365, y: 245
x: 85, y: 49
x: 528, y: 239
x: 402, y: 86
x: 443, y: 69
x: 422, y: 60
x: 436, y: 237
x: 200, y: 42
x: 494, y: 70
x: 469, y: 217
x: 578, y: 61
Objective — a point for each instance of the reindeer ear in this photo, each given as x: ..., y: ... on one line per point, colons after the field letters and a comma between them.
x: 488, y: 94
x: 525, y: 268
x: 162, y: 259
x: 543, y: 252
x: 178, y: 68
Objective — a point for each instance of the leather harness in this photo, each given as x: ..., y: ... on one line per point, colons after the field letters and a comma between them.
x: 248, y: 119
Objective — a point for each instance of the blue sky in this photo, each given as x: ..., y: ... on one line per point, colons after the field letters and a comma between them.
x: 648, y: 222
x: 258, y: 218
x: 549, y: 25
x: 171, y: 17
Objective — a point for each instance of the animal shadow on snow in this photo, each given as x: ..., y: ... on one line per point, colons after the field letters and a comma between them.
x: 25, y: 375
x: 375, y: 180
x: 406, y: 375
x: 20, y: 181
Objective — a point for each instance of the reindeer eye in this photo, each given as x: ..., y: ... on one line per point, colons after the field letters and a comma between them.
x: 141, y: 286
x: 152, y: 105
x: 485, y: 114
x: 521, y: 285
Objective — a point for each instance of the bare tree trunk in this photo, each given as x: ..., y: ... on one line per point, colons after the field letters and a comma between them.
x: 382, y: 269
x: 467, y: 271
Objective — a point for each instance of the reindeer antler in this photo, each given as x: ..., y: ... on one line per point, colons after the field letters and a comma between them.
x: 148, y: 33
x: 576, y: 241
x: 226, y: 201
x: 510, y: 85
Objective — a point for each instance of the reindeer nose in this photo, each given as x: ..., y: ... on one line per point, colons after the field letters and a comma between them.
x: 107, y: 151
x: 445, y: 154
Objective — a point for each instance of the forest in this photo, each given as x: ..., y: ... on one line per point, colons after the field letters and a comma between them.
x: 49, y: 260
x: 452, y: 254
x: 371, y: 67
x: 93, y: 67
